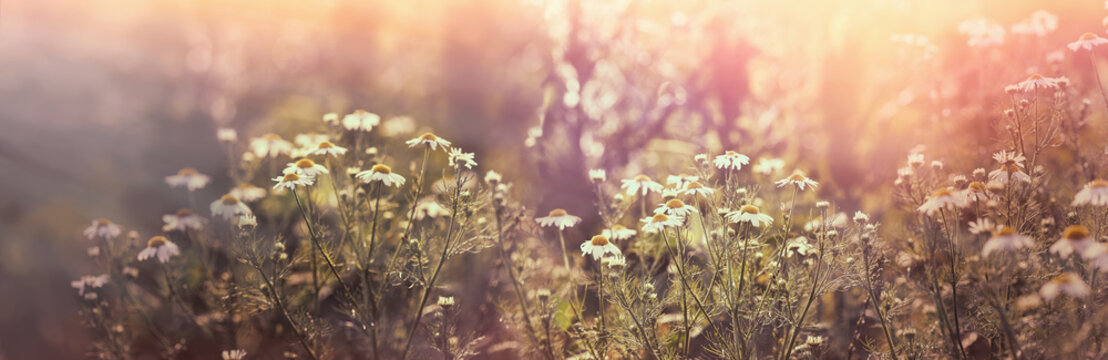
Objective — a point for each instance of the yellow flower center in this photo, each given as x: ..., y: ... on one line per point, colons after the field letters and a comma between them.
x: 557, y: 212
x: 642, y: 178
x: 659, y: 218
x: 305, y: 163
x: 1035, y: 77
x: 599, y: 240
x: 381, y: 168
x: 749, y: 209
x: 1088, y: 36
x: 1005, y: 231
x: 229, y: 199
x: 675, y: 204
x: 694, y: 185
x: 290, y: 177
x: 729, y: 152
x: 618, y: 227
x: 271, y: 137
x: 977, y: 186
x: 1098, y: 183
x: 187, y: 172
x: 103, y: 222
x: 1063, y: 279
x: 942, y: 192
x: 326, y: 145
x: 156, y: 241
x: 796, y: 177
x: 184, y: 212
x: 1075, y: 232
x: 428, y: 137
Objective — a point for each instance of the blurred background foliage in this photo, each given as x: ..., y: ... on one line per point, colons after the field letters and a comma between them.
x: 100, y: 100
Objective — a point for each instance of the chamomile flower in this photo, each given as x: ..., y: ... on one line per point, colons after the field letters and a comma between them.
x: 227, y: 135
x: 976, y: 192
x: 558, y: 218
x: 615, y: 262
x: 327, y: 148
x: 247, y: 192
x: 944, y: 198
x: 160, y: 247
x: 430, y: 208
x: 270, y: 145
x: 188, y: 178
x: 768, y: 166
x: 750, y: 214
x: 306, y: 167
x: 641, y: 184
x: 1075, y: 239
x: 981, y: 226
x: 493, y: 178
x: 236, y: 354
x: 696, y: 188
x: 798, y: 246
x: 229, y: 206
x: 599, y: 246
x: 360, y: 120
x: 598, y: 175
x: 88, y: 282
x: 382, y: 173
x: 1037, y: 82
x: 660, y: 222
x: 183, y: 220
x: 331, y: 119
x: 102, y: 228
x: 1009, y: 172
x: 431, y: 140
x: 1094, y: 193
x: 679, y: 181
x: 799, y: 180
x: 618, y: 233
x: 1087, y: 41
x: 675, y: 207
x: 1005, y: 239
x: 730, y: 160
x: 458, y: 159
x: 982, y: 32
x: 248, y: 221
x: 1068, y: 283
x: 291, y: 180
x: 1040, y: 24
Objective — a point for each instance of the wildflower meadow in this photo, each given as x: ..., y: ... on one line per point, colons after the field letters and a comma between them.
x: 554, y: 179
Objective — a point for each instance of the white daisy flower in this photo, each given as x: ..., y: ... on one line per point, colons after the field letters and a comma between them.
x: 558, y: 218
x: 675, y: 207
x: 598, y: 175
x: 247, y: 221
x: 188, y: 178
x: 1010, y: 169
x: 429, y: 139
x: 730, y: 160
x: 1040, y: 24
x: 1005, y: 239
x: 160, y: 247
x: 768, y: 166
x: 382, y: 173
x: 183, y: 220
x: 228, y: 135
x: 331, y: 119
x: 270, y: 145
x: 457, y: 158
x: 102, y: 228
x: 429, y: 208
x: 493, y: 177
x: 696, y: 188
x: 236, y: 354
x: 305, y: 167
x: 599, y: 246
x: 618, y: 233
x: 982, y: 32
x: 1037, y: 82
x: 941, y: 199
x: 982, y: 226
x: 360, y: 120
x: 291, y: 180
x: 1087, y: 41
x: 1068, y: 283
x: 798, y: 246
x: 446, y: 301
x: 975, y: 192
x: 861, y: 217
x: 327, y: 148
x: 660, y: 222
x: 679, y: 181
x: 247, y: 192
x: 615, y: 262
x: 641, y: 184
x: 750, y: 214
x: 1094, y: 193
x: 229, y: 206
x: 1075, y: 239
x: 89, y: 282
x: 799, y: 180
